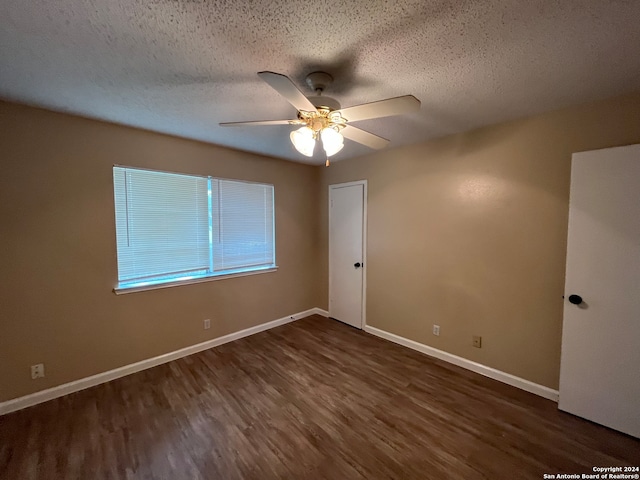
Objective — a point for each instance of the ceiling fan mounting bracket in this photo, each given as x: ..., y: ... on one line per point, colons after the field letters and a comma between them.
x: 318, y: 81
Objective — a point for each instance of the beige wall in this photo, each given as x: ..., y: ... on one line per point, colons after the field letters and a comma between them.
x: 469, y: 232
x: 58, y: 252
x: 466, y: 231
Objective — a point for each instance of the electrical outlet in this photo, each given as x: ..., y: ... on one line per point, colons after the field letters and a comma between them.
x: 477, y: 341
x: 436, y: 330
x: 37, y: 371
x: 207, y: 324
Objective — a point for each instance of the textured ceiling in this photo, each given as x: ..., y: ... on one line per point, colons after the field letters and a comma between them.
x: 183, y: 66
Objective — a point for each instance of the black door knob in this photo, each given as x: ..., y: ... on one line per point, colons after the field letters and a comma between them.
x: 575, y: 299
x: 357, y: 265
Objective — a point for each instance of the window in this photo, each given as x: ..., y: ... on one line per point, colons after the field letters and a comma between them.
x: 173, y: 228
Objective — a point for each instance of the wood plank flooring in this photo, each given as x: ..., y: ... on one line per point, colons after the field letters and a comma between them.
x: 314, y: 399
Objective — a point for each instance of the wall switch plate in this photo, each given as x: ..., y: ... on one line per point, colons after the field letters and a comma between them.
x: 207, y: 323
x: 477, y: 341
x: 436, y: 330
x: 37, y: 371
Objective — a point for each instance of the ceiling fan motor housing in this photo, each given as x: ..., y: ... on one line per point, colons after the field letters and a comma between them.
x: 322, y: 102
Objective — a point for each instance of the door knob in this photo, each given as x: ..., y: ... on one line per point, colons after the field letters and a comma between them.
x: 575, y: 299
x: 357, y: 265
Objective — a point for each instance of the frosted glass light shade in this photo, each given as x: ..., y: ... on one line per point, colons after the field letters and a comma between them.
x: 332, y: 141
x: 303, y: 140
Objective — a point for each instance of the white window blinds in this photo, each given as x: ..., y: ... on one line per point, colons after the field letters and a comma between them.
x: 242, y: 224
x: 171, y: 226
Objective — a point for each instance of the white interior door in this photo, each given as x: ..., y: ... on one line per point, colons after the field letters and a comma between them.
x: 347, y: 207
x: 600, y: 365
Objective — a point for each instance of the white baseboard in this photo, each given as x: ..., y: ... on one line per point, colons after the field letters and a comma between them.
x: 87, y: 382
x: 499, y: 375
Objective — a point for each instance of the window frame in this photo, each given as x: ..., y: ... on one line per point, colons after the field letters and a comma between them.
x: 139, y: 285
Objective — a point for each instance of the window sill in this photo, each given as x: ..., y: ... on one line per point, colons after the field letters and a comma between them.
x: 178, y: 283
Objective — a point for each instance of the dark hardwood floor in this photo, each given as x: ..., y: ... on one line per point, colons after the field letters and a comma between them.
x: 313, y: 399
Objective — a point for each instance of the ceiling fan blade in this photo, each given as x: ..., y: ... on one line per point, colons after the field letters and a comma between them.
x: 365, y: 138
x: 259, y: 122
x: 285, y: 87
x: 383, y: 108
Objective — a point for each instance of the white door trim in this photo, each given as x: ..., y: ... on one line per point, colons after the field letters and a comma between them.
x: 364, y: 243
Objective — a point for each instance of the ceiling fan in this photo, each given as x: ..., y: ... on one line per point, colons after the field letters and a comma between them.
x: 323, y: 118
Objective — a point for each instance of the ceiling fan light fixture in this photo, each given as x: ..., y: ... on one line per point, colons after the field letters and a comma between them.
x: 302, y: 139
x: 332, y: 141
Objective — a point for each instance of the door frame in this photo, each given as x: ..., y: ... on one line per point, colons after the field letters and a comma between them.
x: 364, y: 244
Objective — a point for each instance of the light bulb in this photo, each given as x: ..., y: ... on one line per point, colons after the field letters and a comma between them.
x: 332, y: 141
x: 303, y: 140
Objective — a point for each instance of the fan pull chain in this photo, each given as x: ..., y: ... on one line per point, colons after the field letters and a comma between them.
x: 326, y: 164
